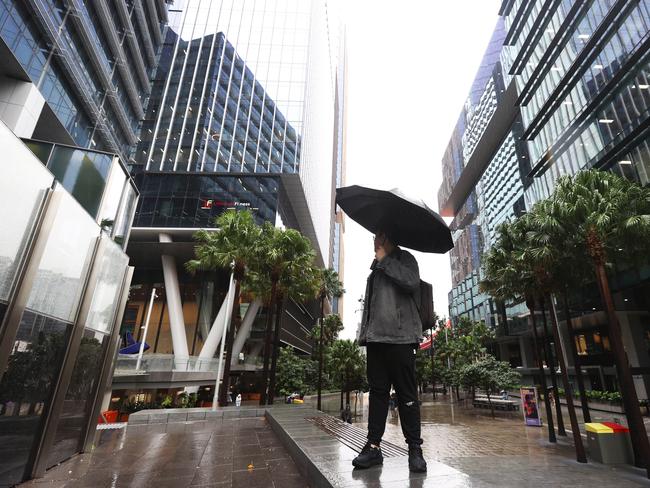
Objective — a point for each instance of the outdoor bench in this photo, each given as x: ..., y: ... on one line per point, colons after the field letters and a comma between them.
x: 497, y: 404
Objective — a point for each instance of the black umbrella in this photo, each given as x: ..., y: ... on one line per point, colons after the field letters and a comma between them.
x: 416, y: 225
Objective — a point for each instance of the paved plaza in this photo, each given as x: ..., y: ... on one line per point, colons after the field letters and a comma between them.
x: 237, y: 453
x: 464, y: 448
x: 504, y: 452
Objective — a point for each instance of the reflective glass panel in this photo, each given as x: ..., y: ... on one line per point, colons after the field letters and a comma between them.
x: 26, y: 388
x: 112, y: 196
x: 21, y: 194
x: 79, y: 397
x: 58, y: 284
x: 82, y: 173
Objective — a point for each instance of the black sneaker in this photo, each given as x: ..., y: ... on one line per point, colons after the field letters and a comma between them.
x: 369, y: 456
x: 417, y: 464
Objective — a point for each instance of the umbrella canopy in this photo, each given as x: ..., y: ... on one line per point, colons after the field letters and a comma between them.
x: 416, y: 225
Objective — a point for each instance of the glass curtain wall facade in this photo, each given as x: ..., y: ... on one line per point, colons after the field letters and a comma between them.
x: 582, y: 71
x: 575, y: 75
x: 63, y: 278
x: 247, y: 87
x: 242, y: 116
x: 91, y: 62
x: 472, y: 226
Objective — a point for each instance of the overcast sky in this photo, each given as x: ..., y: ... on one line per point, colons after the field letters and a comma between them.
x: 410, y: 67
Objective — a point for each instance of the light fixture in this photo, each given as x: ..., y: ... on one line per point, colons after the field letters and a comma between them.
x: 583, y: 36
x: 644, y: 87
x: 625, y: 162
x: 567, y: 103
x: 606, y: 121
x: 598, y: 66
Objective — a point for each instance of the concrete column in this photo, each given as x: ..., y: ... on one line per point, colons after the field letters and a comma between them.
x: 245, y: 329
x: 21, y: 104
x: 174, y: 304
x: 634, y: 342
x: 527, y: 356
x: 211, y: 342
x: 255, y: 352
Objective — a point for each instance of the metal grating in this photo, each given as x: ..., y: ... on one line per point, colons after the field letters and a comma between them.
x: 353, y: 437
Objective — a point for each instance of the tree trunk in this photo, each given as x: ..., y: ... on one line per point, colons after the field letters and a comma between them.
x: 276, y: 347
x: 538, y: 350
x: 267, y: 343
x: 433, y: 374
x: 230, y: 337
x: 551, y: 365
x: 638, y: 433
x: 347, y: 397
x: 581, y: 457
x: 320, y: 353
x: 490, y: 403
x: 576, y: 361
x: 341, y: 397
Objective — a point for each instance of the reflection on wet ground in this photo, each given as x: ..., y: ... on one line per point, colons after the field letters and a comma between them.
x: 236, y: 453
x: 500, y: 452
x: 463, y: 447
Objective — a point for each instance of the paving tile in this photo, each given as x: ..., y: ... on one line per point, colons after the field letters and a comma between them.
x: 241, y: 463
x: 211, y: 475
x: 250, y: 479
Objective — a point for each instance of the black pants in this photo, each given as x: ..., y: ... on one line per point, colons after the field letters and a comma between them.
x: 393, y: 364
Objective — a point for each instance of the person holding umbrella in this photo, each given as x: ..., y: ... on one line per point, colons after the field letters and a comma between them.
x: 391, y: 327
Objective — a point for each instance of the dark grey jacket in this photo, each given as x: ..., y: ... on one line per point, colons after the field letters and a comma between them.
x: 390, y: 314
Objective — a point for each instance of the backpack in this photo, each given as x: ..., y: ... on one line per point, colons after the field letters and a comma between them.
x: 424, y: 303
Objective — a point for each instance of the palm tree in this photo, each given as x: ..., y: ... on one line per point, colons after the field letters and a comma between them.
x: 330, y: 287
x: 609, y: 217
x: 347, y: 363
x: 555, y: 246
x: 508, y: 277
x: 547, y: 261
x: 322, y: 336
x: 283, y: 255
x: 299, y: 282
x: 232, y: 247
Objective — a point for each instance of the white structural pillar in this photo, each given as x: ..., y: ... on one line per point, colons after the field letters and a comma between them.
x: 21, y: 104
x: 211, y: 342
x: 174, y: 304
x: 245, y: 329
x: 229, y: 300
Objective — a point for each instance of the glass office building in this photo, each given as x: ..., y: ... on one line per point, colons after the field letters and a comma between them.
x: 82, y: 68
x: 464, y: 193
x: 74, y: 87
x: 64, y: 280
x: 246, y: 112
x: 575, y: 78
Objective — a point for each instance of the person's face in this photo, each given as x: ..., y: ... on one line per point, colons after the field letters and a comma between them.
x: 379, y: 240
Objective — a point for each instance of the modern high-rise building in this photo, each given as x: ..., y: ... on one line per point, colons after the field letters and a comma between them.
x: 246, y: 112
x: 575, y: 80
x: 74, y: 85
x: 84, y: 68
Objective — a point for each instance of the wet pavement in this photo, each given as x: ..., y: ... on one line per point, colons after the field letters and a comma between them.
x: 237, y: 453
x: 487, y: 452
x: 463, y: 447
